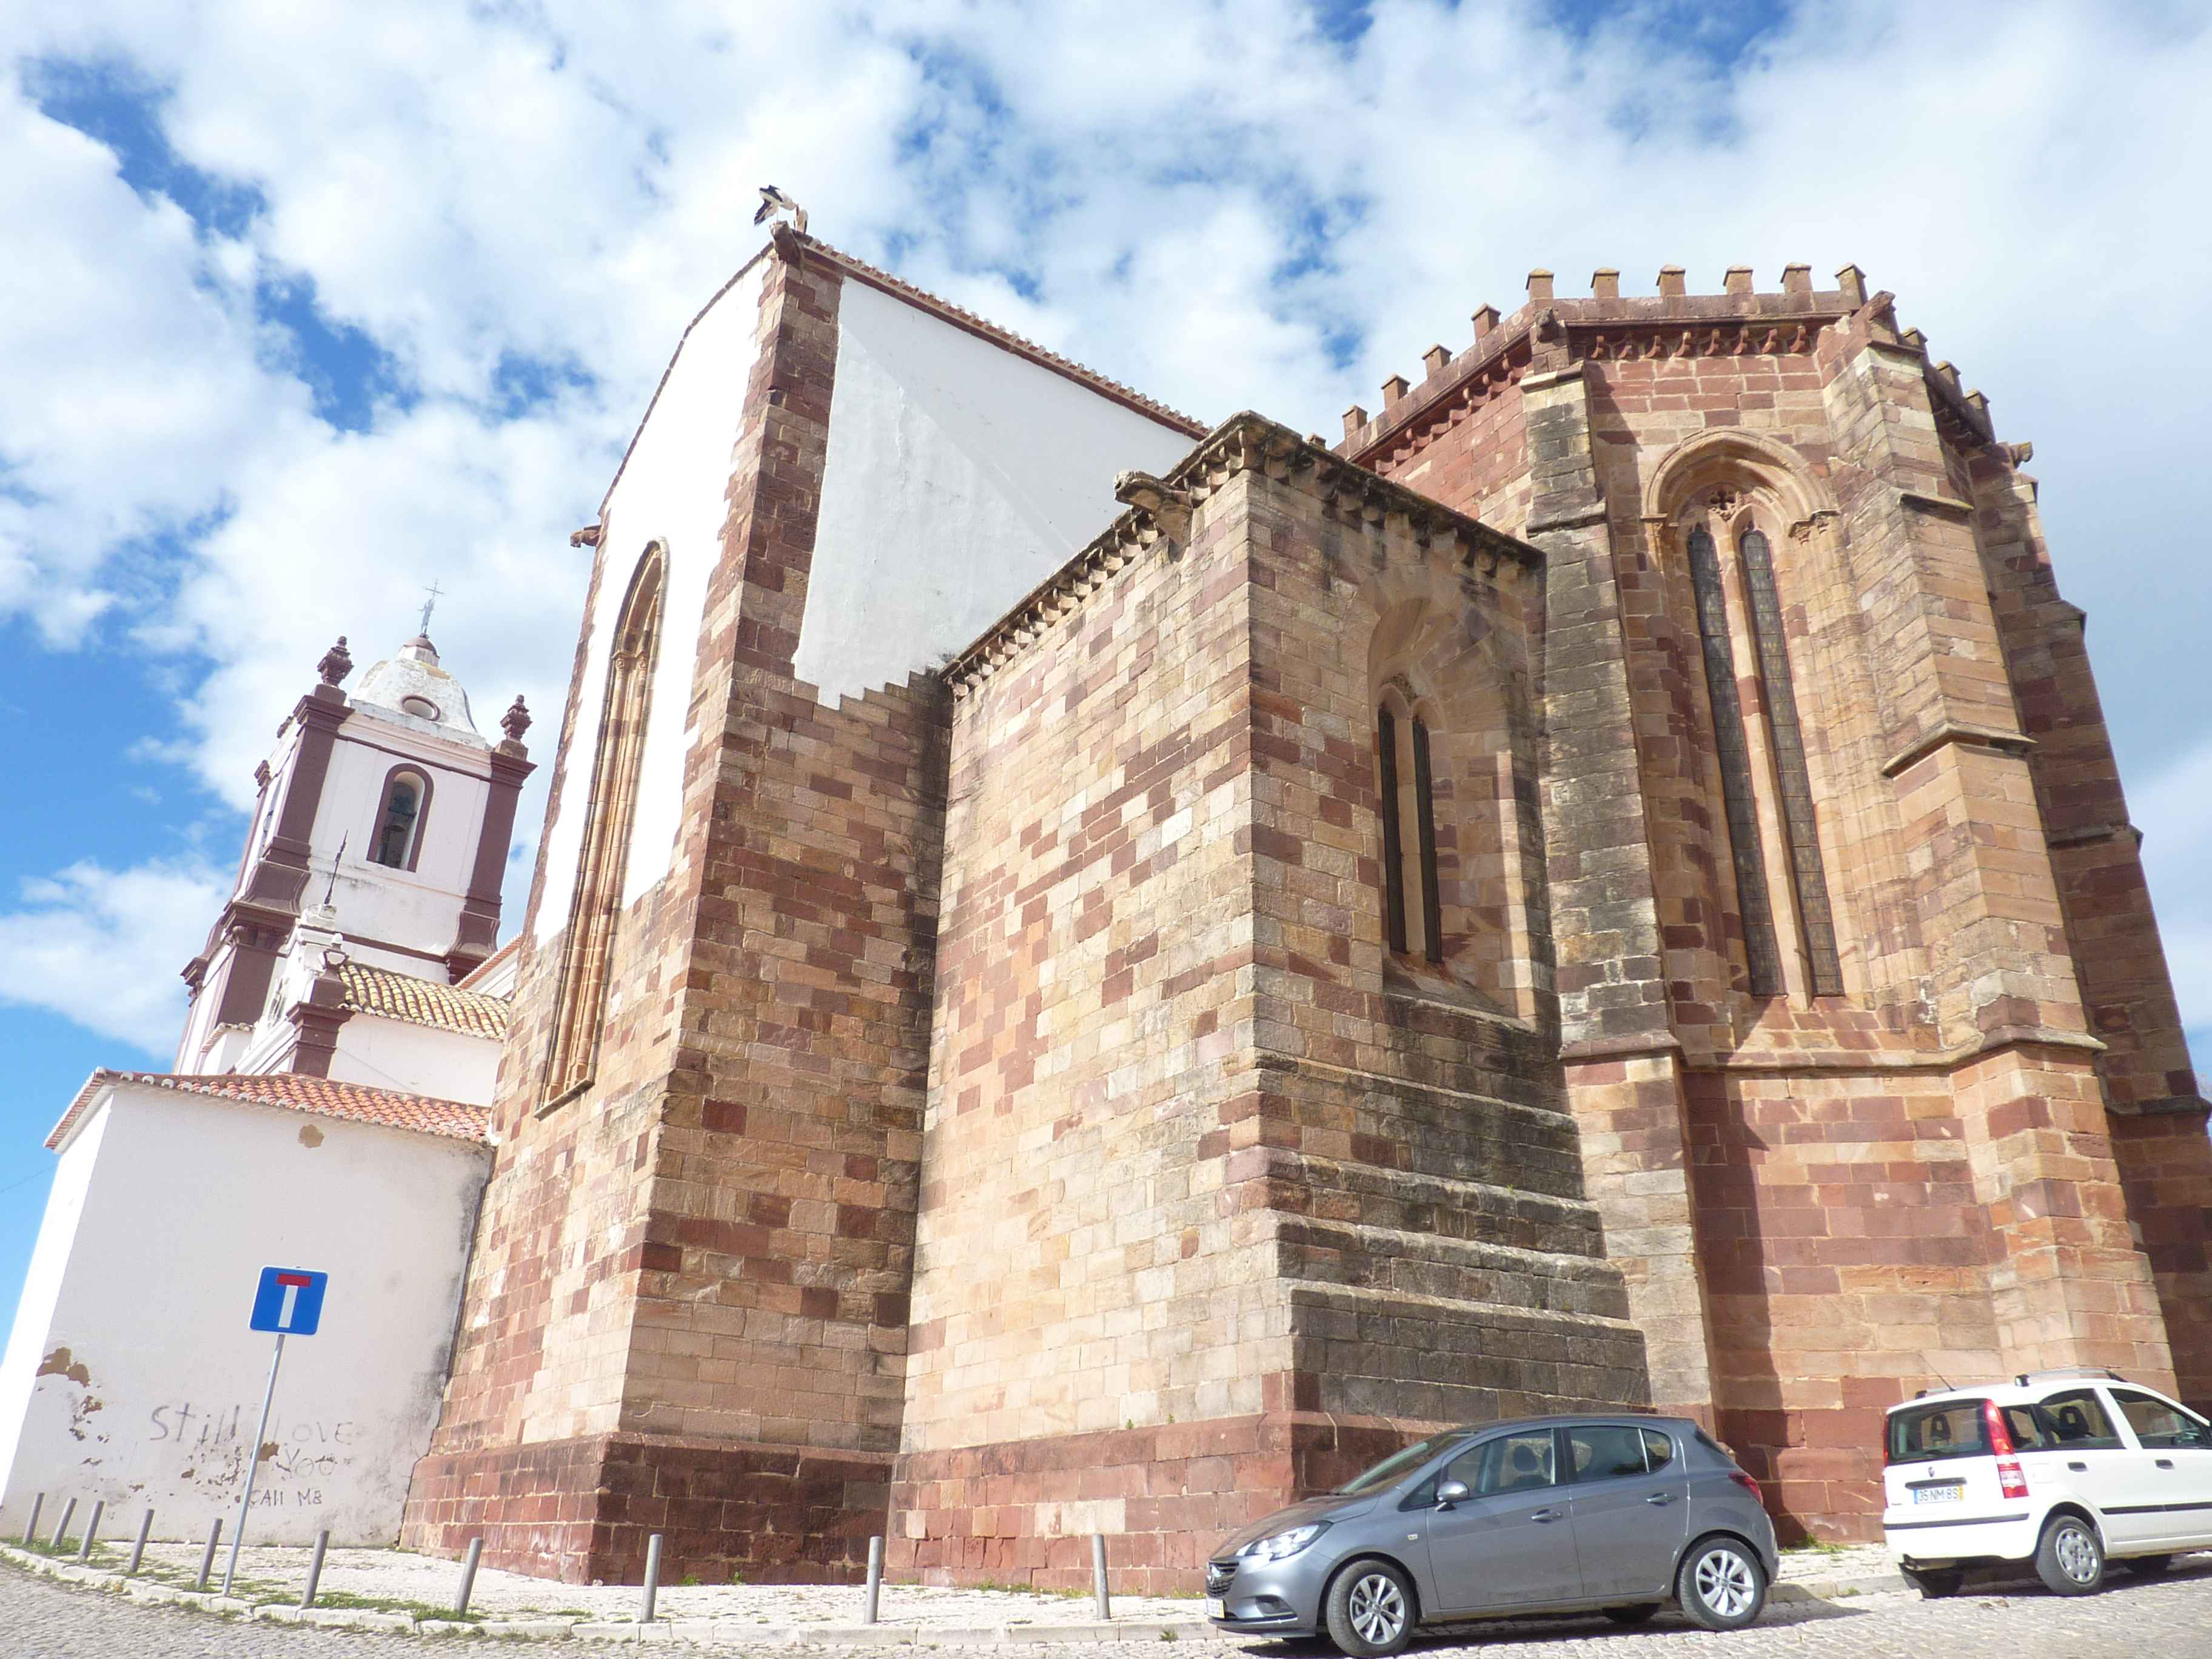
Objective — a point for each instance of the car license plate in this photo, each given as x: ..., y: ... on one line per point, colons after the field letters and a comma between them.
x: 1214, y: 1609
x: 1950, y: 1493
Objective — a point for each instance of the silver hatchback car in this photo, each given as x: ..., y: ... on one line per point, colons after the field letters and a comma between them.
x: 1611, y: 1515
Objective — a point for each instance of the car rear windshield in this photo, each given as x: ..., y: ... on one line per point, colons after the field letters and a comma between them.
x: 1953, y: 1428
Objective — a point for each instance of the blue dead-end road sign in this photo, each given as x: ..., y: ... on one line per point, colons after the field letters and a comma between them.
x: 289, y: 1301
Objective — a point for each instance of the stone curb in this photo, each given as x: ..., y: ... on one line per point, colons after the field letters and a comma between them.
x: 723, y: 1630
x: 1831, y: 1589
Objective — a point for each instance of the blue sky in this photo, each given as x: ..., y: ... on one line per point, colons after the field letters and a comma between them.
x: 308, y: 310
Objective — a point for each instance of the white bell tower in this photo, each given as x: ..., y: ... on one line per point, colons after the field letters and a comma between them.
x: 384, y: 817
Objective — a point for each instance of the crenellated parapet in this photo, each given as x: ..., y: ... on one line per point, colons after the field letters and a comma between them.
x: 1552, y: 330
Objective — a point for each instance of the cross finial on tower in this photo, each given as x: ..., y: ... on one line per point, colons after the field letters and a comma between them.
x: 430, y: 604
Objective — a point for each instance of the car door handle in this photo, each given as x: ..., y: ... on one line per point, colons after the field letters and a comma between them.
x: 1544, y: 1516
x: 2166, y: 1462
x: 1660, y: 1498
x: 2078, y: 1467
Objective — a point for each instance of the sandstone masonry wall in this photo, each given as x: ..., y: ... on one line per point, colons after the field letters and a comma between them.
x: 1927, y: 1158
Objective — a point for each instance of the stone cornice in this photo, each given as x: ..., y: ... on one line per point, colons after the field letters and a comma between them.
x: 1243, y: 443
x: 1962, y: 731
x: 1949, y: 505
x: 1881, y: 1059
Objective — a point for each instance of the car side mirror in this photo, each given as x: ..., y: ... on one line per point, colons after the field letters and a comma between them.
x: 1451, y: 1492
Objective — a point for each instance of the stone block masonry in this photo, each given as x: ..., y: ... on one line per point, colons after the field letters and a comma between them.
x: 1012, y: 1122
x: 688, y: 1310
x: 1219, y: 1201
x: 1962, y: 1163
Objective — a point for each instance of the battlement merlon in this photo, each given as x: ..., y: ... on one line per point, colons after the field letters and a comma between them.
x: 1672, y: 322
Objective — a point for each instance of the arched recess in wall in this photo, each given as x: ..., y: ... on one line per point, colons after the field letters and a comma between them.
x: 1720, y: 502
x: 579, y: 1002
x: 403, y: 812
x: 1451, y: 797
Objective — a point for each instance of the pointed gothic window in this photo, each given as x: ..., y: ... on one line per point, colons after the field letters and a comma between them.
x: 398, y: 821
x: 1408, y: 805
x: 596, y: 904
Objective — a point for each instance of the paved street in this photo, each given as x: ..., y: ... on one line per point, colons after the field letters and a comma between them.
x: 2171, y: 1619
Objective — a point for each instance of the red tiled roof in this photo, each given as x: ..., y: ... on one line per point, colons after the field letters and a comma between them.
x: 423, y: 1002
x: 356, y: 1101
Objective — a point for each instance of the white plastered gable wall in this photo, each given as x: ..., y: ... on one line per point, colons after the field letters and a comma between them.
x: 959, y: 476
x: 673, y: 489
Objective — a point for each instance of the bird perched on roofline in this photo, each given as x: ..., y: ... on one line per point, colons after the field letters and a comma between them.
x: 773, y: 201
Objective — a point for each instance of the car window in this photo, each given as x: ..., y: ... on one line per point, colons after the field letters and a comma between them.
x: 1512, y: 1462
x: 2156, y: 1422
x: 1658, y: 1449
x: 1948, y: 1428
x: 2078, y: 1423
x: 1604, y: 1452
x: 2029, y: 1428
x: 1398, y: 1464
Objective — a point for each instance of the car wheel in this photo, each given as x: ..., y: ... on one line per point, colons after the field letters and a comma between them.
x: 2070, y: 1560
x: 1721, y: 1586
x: 1370, y: 1611
x: 2148, y: 1566
x: 1640, y: 1614
x: 1933, y: 1583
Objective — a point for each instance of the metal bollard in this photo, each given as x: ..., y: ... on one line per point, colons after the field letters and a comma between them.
x: 91, y: 1532
x: 69, y: 1514
x: 138, y: 1549
x: 875, y: 1579
x: 314, y: 1571
x: 468, y: 1578
x: 207, y: 1555
x: 1098, y: 1575
x: 652, y: 1579
x: 31, y: 1532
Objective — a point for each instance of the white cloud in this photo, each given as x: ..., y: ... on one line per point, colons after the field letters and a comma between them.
x: 1197, y: 198
x: 103, y: 947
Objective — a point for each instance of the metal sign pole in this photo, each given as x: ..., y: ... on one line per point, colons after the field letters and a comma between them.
x: 252, y: 1465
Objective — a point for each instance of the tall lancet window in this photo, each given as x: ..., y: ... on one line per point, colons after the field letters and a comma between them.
x: 1784, y: 785
x: 580, y: 1001
x: 1740, y: 804
x: 1809, y: 875
x: 1411, y: 922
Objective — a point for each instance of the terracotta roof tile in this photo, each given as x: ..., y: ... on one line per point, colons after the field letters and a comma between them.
x: 423, y: 1002
x: 356, y: 1101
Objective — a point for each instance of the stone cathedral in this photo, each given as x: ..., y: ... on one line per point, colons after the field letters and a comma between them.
x: 1087, y: 973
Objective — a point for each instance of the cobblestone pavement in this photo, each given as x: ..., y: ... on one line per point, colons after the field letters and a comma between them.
x: 429, y: 1581
x: 2167, y: 1619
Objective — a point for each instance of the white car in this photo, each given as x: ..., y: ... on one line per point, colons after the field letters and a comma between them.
x: 2065, y: 1469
